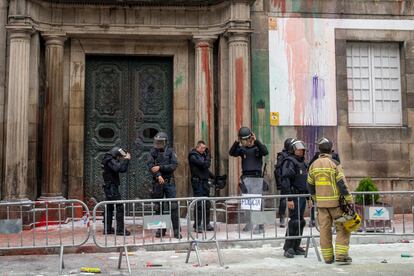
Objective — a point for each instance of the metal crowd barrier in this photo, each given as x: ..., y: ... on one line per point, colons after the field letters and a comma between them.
x: 44, y: 225
x: 385, y: 212
x: 245, y: 218
x: 143, y: 218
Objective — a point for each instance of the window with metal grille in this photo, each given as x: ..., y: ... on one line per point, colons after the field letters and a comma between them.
x: 374, y: 84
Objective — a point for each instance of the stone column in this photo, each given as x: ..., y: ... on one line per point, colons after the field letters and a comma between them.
x: 53, y: 118
x: 17, y: 123
x: 204, y: 92
x: 239, y: 97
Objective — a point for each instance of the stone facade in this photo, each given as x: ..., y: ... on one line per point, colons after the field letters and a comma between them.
x: 385, y: 154
x: 220, y: 53
x: 57, y: 36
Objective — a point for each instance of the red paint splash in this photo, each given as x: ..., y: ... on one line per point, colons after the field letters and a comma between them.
x: 205, y: 63
x: 298, y: 51
x: 280, y: 4
x: 239, y: 92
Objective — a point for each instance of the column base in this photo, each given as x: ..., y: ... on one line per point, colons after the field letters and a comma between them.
x: 56, y: 213
x: 50, y: 198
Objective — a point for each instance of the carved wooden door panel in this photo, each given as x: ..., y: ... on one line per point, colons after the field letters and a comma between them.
x: 127, y: 101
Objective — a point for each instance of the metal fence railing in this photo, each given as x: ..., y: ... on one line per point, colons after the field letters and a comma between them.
x: 44, y: 225
x: 188, y: 221
x: 249, y: 218
x: 150, y: 222
x: 385, y: 212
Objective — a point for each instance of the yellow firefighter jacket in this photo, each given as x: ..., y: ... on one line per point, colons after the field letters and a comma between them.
x: 327, y: 182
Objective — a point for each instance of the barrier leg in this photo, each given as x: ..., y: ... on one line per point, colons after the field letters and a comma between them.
x: 197, y: 250
x: 220, y: 258
x: 124, y: 250
x: 127, y: 259
x: 120, y: 258
x: 316, y: 249
x: 307, y: 247
x: 189, y: 252
x: 61, y: 263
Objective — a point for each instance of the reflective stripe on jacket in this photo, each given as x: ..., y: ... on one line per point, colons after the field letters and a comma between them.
x: 323, y: 178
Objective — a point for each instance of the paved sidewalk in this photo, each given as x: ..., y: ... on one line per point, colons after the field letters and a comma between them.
x: 383, y: 259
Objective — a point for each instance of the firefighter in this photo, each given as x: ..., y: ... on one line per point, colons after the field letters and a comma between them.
x: 328, y: 186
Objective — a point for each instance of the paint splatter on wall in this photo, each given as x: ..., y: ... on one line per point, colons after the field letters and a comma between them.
x: 302, y: 81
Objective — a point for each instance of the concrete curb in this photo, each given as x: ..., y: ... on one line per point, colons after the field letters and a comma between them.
x: 91, y: 248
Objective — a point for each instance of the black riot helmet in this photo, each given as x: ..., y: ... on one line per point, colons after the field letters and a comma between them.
x: 244, y: 133
x: 160, y: 140
x: 117, y: 151
x: 296, y: 145
x: 287, y: 143
x: 325, y: 145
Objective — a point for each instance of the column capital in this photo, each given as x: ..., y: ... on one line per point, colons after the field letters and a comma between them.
x: 237, y: 35
x: 56, y: 39
x: 20, y: 31
x: 204, y: 40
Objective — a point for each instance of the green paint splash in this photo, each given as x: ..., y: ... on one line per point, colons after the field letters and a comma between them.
x: 204, y: 132
x: 260, y: 96
x: 178, y: 81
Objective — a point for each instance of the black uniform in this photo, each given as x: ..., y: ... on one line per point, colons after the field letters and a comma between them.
x: 200, y: 173
x: 252, y: 159
x: 281, y: 156
x: 111, y: 168
x: 167, y: 160
x: 294, y: 176
x: 252, y: 162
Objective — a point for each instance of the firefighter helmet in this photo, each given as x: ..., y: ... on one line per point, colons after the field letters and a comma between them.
x: 353, y: 224
x: 325, y: 145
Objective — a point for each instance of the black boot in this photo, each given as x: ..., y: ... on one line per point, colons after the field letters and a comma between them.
x: 109, y: 231
x: 159, y: 231
x: 177, y: 234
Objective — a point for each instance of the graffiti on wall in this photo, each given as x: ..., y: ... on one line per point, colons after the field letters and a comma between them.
x: 302, y: 81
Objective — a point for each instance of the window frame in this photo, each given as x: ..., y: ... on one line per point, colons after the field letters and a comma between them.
x: 372, y: 120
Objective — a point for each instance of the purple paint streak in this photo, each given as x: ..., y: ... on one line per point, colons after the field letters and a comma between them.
x: 318, y: 94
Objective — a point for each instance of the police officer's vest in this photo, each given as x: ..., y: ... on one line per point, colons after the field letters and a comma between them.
x: 163, y: 158
x: 252, y: 161
x: 298, y: 183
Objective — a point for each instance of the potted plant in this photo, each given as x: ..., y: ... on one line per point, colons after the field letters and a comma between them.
x: 364, y: 201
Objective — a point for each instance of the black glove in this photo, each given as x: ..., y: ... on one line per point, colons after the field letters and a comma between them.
x: 207, y: 151
x: 351, y: 209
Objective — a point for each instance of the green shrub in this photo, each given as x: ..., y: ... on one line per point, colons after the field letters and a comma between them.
x: 366, y: 185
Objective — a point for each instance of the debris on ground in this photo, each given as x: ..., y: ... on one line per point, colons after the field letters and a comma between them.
x: 90, y: 269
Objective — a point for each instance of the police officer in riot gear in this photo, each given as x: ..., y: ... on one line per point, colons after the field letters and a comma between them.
x: 199, y: 160
x: 251, y: 151
x: 114, y: 162
x: 280, y: 158
x: 294, y: 175
x: 162, y: 162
